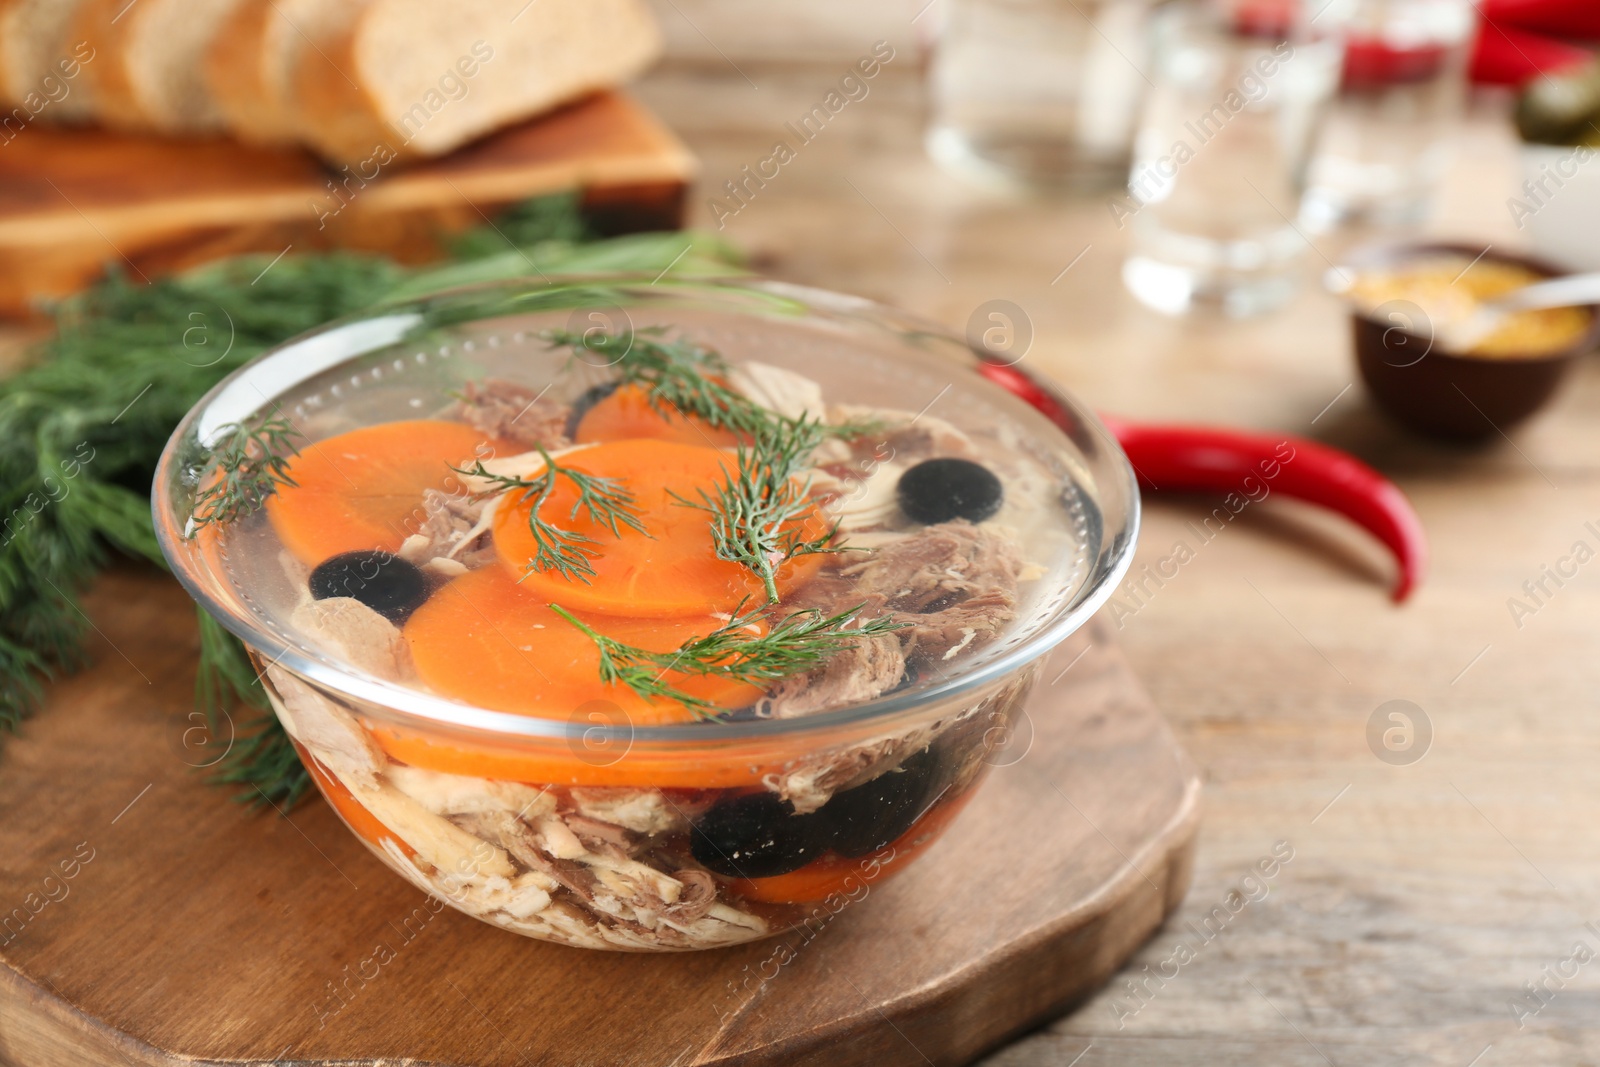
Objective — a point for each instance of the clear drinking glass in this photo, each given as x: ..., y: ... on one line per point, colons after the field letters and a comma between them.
x: 1220, y: 156
x: 1043, y: 92
x: 1388, y: 136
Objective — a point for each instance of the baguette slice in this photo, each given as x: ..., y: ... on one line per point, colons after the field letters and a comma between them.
x: 147, y: 73
x: 40, y: 60
x: 419, y: 78
x: 249, y: 65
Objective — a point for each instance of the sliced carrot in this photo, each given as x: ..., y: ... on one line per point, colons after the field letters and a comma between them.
x: 363, y: 489
x: 487, y: 641
x: 584, y: 763
x: 627, y: 413
x: 672, y: 569
x: 361, y: 822
x: 838, y: 874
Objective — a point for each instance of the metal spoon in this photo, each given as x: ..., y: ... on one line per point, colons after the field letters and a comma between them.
x: 1574, y: 290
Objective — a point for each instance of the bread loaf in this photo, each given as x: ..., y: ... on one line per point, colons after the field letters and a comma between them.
x: 40, y: 63
x: 419, y: 77
x: 148, y: 70
x: 250, y: 61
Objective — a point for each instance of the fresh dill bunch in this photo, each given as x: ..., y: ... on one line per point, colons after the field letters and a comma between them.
x: 738, y: 651
x: 757, y: 507
x: 252, y: 462
x: 87, y: 416
x: 567, y: 552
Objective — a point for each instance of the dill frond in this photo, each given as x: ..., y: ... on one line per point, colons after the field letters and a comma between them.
x: 252, y: 462
x: 739, y: 651
x: 605, y: 501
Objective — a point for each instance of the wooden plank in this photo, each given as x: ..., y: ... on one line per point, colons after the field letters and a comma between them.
x: 73, y: 201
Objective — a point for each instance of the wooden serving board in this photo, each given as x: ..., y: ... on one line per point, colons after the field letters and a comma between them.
x: 162, y: 923
x: 73, y: 201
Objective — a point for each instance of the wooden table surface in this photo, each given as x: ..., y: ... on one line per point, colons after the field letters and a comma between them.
x: 1422, y: 899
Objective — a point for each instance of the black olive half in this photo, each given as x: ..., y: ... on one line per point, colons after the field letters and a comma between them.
x: 868, y: 817
x: 754, y: 835
x: 384, y: 582
x: 939, y: 490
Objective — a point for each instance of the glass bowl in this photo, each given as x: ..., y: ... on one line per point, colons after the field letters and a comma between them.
x: 586, y: 827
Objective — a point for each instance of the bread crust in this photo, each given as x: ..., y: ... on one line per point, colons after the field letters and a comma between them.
x: 236, y: 76
x: 107, y: 78
x: 342, y: 114
x: 335, y: 112
x: 21, y: 71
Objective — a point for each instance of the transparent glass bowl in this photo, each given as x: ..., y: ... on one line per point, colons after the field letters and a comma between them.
x: 591, y: 830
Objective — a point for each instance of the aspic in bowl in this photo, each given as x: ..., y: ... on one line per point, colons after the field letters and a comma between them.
x: 642, y: 616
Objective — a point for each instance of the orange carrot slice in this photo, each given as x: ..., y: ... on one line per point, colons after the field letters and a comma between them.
x: 627, y: 413
x: 670, y: 570
x: 363, y: 489
x: 584, y: 763
x: 487, y: 641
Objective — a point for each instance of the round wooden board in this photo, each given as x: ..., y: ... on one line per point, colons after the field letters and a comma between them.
x: 198, y: 930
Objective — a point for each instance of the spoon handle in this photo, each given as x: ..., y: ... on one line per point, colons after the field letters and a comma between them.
x: 1572, y: 291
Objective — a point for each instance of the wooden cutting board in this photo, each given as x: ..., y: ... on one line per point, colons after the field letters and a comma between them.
x: 73, y: 201
x: 163, y: 923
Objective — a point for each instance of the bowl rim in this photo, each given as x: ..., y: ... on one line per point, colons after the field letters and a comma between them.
x: 434, y: 711
x: 1377, y: 253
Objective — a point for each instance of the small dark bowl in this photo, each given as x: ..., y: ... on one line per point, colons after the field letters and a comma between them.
x: 1446, y: 394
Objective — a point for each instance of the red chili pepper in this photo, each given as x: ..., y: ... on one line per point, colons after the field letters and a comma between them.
x: 1505, y: 55
x: 1559, y: 18
x: 1198, y: 458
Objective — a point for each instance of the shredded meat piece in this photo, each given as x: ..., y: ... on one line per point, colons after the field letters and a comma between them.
x: 448, y: 541
x: 627, y: 901
x: 331, y: 733
x: 860, y: 671
x: 944, y: 580
x: 350, y: 629
x: 953, y: 584
x: 644, y: 811
x: 598, y: 836
x: 506, y: 411
x: 907, y: 438
x: 699, y: 894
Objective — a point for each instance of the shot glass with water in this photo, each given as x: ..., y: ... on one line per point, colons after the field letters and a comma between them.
x: 1037, y: 93
x: 1220, y: 157
x: 1389, y: 135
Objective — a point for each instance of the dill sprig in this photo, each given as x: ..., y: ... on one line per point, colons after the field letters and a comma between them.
x: 252, y: 461
x: 680, y: 377
x: 605, y: 501
x: 738, y: 651
x: 757, y: 507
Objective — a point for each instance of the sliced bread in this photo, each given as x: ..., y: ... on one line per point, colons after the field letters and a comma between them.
x: 148, y: 71
x: 419, y: 77
x: 41, y: 65
x: 253, y: 55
